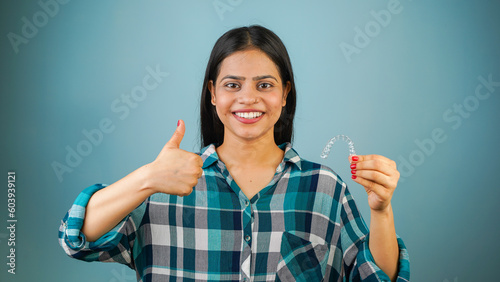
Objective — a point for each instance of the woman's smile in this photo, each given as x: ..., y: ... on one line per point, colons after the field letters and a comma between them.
x: 248, y: 116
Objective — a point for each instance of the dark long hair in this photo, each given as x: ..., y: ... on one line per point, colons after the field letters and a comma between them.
x: 239, y: 39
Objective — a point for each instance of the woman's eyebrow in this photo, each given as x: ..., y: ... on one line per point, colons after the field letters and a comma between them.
x: 255, y: 78
x: 264, y: 77
x: 233, y: 77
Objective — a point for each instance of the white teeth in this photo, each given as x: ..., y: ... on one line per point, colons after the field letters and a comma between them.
x: 249, y: 115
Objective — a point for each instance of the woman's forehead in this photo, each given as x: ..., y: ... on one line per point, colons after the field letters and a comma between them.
x: 248, y: 63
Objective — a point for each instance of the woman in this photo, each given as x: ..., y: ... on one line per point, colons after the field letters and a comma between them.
x: 247, y: 207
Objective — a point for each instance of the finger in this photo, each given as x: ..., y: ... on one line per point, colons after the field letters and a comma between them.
x: 374, y: 176
x: 375, y: 165
x: 199, y: 161
x: 175, y: 140
x: 196, y: 160
x: 363, y: 158
x: 372, y: 186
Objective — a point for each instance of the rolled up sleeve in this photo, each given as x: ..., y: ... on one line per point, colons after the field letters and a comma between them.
x: 114, y: 246
x: 367, y: 270
x: 359, y: 264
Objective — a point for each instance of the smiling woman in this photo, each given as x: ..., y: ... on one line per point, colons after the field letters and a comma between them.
x: 249, y: 108
x: 233, y: 48
x: 247, y: 207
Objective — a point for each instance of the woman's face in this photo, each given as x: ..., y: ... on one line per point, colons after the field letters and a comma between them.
x: 248, y: 95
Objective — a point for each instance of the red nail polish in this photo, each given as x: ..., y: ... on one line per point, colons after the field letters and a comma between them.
x: 353, y: 171
x: 355, y: 158
x: 353, y: 166
x: 178, y: 122
x: 353, y: 177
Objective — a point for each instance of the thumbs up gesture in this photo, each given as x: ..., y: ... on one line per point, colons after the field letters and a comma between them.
x: 174, y: 171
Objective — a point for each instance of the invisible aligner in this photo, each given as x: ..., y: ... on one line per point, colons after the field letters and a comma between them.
x: 330, y: 143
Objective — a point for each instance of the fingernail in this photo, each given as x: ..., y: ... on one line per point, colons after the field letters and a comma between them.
x: 353, y: 177
x: 353, y: 171
x: 353, y: 166
x: 178, y: 122
x: 355, y: 158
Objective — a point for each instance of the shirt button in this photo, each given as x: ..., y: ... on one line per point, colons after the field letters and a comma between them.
x: 246, y: 203
x: 247, y: 238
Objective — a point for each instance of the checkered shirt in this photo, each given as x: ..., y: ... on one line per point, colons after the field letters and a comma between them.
x: 303, y: 226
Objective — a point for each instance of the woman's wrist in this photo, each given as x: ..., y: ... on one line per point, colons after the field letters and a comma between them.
x: 382, y: 213
x: 142, y: 176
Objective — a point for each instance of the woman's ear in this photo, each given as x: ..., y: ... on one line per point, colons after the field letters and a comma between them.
x: 211, y: 88
x: 286, y: 90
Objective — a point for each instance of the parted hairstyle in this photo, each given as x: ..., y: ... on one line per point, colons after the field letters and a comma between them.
x: 240, y: 39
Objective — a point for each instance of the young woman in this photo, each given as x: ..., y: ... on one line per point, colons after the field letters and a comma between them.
x: 247, y: 207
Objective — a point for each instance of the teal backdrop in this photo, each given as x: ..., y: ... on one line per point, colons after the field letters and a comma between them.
x: 91, y: 90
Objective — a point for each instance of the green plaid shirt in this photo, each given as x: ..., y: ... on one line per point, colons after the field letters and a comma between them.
x: 303, y: 226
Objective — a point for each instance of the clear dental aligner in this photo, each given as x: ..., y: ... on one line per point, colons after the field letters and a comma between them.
x: 330, y: 143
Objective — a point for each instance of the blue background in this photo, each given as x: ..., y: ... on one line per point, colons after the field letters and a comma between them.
x: 388, y: 96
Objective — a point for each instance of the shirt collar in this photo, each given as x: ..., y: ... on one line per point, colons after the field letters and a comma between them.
x: 209, y: 156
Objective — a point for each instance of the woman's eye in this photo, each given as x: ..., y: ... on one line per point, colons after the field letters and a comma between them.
x: 232, y: 85
x: 265, y: 85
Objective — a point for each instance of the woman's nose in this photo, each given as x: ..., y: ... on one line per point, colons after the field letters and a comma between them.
x: 248, y: 96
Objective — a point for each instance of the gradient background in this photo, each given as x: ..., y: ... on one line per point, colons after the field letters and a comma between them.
x: 390, y: 96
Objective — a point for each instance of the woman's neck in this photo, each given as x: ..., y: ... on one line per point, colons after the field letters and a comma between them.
x: 243, y: 153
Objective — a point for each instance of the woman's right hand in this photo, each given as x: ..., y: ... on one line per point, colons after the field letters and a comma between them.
x: 174, y: 171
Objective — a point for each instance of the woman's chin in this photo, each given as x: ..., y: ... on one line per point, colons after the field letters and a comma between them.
x: 250, y: 136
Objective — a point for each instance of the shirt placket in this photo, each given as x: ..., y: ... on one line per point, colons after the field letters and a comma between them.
x: 247, y: 220
x: 248, y: 217
x: 247, y: 237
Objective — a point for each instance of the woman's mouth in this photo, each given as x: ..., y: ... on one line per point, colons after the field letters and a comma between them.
x: 248, y: 117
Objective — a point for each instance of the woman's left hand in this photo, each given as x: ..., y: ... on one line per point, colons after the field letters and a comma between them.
x: 378, y: 175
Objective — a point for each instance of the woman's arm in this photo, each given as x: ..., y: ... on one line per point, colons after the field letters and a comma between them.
x: 383, y: 242
x: 174, y: 171
x: 379, y: 176
x: 108, y: 206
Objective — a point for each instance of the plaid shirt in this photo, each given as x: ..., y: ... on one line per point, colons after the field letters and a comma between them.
x: 303, y: 226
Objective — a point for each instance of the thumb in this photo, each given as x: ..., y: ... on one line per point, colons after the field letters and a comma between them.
x: 176, y: 139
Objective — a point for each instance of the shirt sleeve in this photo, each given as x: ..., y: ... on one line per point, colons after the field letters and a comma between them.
x: 358, y: 262
x: 114, y: 246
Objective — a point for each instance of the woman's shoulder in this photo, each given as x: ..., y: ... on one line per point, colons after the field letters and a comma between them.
x: 323, y: 174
